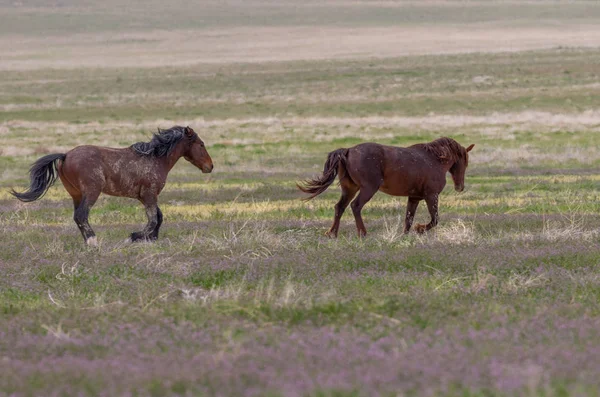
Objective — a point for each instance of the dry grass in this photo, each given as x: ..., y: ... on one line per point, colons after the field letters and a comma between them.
x: 500, y: 128
x: 266, y: 292
x: 508, y: 122
x: 242, y: 265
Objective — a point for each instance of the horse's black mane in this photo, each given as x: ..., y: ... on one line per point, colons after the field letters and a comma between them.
x: 161, y: 143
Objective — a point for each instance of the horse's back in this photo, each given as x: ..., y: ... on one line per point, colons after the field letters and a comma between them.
x: 384, y: 156
x: 92, y: 155
x: 398, y: 171
x: 89, y: 162
x: 366, y: 155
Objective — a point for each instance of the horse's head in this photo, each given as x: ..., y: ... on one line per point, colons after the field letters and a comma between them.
x: 195, y: 152
x: 459, y: 167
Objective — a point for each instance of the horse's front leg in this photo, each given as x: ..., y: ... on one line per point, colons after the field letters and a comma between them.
x: 150, y: 231
x: 159, y: 219
x: 432, y: 206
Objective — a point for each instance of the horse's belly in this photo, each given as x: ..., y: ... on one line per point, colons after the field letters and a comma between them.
x: 122, y: 187
x: 120, y: 192
x: 399, y: 190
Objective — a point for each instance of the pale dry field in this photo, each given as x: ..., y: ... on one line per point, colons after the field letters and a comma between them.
x: 76, y: 35
x: 242, y: 294
x: 272, y: 44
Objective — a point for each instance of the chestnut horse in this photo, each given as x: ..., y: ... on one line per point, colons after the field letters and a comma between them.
x: 418, y: 171
x: 139, y: 172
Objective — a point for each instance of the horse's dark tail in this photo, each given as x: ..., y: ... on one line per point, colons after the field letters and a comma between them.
x: 316, y: 186
x: 42, y: 175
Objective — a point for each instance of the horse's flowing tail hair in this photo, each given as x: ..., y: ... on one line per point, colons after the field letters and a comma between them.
x: 42, y: 175
x: 318, y: 185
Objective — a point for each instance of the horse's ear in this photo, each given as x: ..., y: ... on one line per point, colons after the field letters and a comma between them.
x: 470, y: 147
x: 189, y: 131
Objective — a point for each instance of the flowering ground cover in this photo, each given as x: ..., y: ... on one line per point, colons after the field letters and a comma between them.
x: 244, y: 295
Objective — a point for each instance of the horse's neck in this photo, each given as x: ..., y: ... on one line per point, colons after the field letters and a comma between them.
x: 448, y: 164
x: 174, y: 157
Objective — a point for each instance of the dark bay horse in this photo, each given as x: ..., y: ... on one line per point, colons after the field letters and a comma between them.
x: 418, y: 171
x: 139, y: 172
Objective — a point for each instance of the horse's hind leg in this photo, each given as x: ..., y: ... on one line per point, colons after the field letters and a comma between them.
x: 432, y: 206
x: 82, y: 213
x: 411, y: 209
x: 150, y: 231
x: 349, y: 190
x: 82, y: 203
x: 366, y: 193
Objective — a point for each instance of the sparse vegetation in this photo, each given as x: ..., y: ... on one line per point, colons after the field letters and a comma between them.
x: 242, y: 294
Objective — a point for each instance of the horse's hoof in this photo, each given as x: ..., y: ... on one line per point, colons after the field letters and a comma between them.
x: 92, y: 241
x: 135, y: 237
x: 139, y: 237
x: 331, y: 234
x: 421, y: 228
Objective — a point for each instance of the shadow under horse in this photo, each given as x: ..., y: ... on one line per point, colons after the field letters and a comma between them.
x: 418, y: 171
x: 139, y: 172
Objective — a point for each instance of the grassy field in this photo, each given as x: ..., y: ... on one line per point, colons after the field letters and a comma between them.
x: 243, y: 294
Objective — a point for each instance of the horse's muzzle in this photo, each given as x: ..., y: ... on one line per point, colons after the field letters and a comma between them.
x: 207, y: 169
x: 459, y: 188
